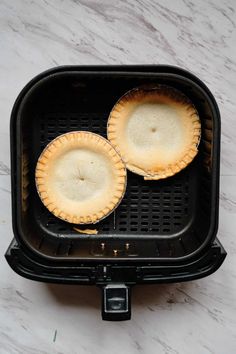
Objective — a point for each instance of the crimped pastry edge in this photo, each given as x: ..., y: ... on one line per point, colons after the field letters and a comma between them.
x: 58, y: 212
x: 177, y: 96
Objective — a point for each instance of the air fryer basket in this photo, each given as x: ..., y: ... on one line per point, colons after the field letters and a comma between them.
x: 159, y: 226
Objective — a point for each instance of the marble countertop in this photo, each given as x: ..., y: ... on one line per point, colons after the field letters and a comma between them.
x: 196, y: 317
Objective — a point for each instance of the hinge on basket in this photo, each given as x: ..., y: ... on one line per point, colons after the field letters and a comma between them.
x: 103, y: 273
x: 117, y: 273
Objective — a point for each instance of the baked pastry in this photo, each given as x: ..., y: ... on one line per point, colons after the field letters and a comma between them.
x: 80, y: 177
x: 156, y: 130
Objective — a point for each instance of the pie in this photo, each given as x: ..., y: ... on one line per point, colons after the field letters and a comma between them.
x: 156, y: 130
x: 80, y: 177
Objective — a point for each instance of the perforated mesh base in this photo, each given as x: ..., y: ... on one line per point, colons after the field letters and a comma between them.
x: 148, y: 207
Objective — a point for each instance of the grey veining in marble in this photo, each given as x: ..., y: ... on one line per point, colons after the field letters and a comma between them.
x: 197, y: 317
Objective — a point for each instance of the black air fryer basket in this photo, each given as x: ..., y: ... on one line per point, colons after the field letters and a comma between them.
x: 163, y: 231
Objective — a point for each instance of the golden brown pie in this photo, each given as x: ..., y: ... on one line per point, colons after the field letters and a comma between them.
x: 156, y: 130
x: 80, y: 177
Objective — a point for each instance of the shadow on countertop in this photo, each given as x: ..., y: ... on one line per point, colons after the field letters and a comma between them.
x: 148, y: 297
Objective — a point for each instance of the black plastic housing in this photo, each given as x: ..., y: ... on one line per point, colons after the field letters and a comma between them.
x: 162, y: 231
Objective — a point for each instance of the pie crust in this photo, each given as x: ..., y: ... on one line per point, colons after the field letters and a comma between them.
x: 80, y: 177
x: 156, y: 130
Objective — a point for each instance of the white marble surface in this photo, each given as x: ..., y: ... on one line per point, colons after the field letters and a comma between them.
x: 197, y: 317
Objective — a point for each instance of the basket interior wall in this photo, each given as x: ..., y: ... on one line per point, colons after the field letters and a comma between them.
x: 167, y: 218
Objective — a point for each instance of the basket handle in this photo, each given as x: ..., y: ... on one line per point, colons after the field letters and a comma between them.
x: 116, y: 304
